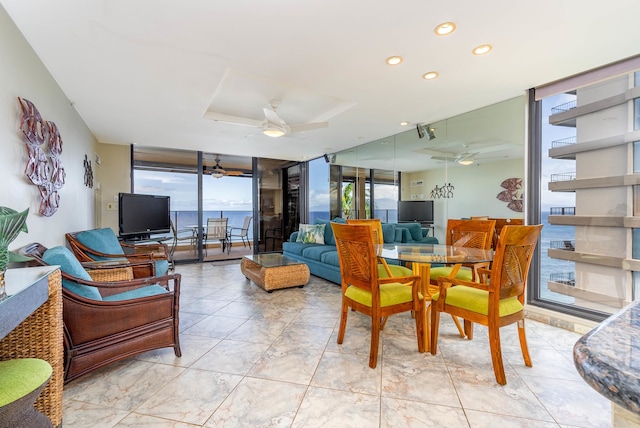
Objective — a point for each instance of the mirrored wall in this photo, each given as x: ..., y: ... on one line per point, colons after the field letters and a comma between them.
x: 469, y: 165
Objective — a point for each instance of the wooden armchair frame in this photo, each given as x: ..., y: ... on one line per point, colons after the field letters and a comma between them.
x: 135, y: 254
x: 503, y: 287
x: 97, y: 333
x: 361, y: 285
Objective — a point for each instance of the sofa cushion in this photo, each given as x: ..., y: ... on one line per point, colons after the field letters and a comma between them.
x: 70, y: 265
x: 388, y: 232
x: 315, y: 252
x: 328, y: 231
x: 296, y: 247
x: 311, y: 233
x: 330, y: 258
x: 415, y: 231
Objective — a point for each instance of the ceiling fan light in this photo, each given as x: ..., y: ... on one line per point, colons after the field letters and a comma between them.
x: 273, y: 132
x: 465, y: 162
x: 217, y: 174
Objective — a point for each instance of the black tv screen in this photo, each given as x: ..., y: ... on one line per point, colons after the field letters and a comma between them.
x: 142, y: 215
x: 420, y: 211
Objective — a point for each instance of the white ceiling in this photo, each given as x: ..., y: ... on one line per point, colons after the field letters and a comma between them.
x: 146, y: 71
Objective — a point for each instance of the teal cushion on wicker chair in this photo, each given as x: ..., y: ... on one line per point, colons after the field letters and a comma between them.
x: 151, y: 290
x: 70, y: 265
x: 102, y: 240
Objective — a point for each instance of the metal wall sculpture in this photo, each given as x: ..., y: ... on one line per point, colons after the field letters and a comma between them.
x: 446, y: 191
x: 512, y: 194
x: 44, y: 169
x: 88, y: 173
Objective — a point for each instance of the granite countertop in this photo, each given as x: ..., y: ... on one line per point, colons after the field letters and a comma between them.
x: 608, y: 358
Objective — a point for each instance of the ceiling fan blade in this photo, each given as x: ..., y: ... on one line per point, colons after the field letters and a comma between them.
x: 272, y: 117
x: 308, y: 126
x: 235, y: 173
x: 234, y: 120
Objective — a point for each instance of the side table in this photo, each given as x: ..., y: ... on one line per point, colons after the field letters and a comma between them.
x: 274, y: 271
x: 31, y: 326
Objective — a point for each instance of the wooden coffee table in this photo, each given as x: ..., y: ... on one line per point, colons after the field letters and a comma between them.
x: 274, y: 271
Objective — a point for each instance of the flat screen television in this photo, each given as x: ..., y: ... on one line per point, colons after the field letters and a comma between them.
x: 419, y: 211
x: 142, y: 215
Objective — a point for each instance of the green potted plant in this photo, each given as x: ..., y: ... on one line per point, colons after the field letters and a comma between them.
x: 12, y: 223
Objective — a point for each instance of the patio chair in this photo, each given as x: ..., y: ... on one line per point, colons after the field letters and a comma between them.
x: 241, y: 232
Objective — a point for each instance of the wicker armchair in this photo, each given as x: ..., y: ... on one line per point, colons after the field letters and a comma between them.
x: 100, y: 245
x: 107, y: 321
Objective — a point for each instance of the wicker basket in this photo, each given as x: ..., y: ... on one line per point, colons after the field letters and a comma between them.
x: 111, y: 274
x: 41, y: 336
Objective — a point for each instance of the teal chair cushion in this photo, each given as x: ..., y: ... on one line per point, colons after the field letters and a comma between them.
x: 477, y: 301
x: 162, y: 267
x: 20, y: 377
x: 151, y: 290
x: 70, y: 265
x: 390, y: 294
x: 102, y: 240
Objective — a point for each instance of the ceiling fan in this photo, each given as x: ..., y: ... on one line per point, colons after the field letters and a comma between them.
x: 272, y: 125
x: 466, y: 156
x: 218, y: 172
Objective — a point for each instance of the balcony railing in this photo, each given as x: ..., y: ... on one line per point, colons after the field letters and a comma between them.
x: 563, y: 176
x: 562, y: 211
x: 563, y: 142
x: 564, y: 107
x: 567, y: 278
x: 568, y: 245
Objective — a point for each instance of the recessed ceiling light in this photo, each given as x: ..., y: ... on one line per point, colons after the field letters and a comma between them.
x: 445, y: 28
x: 394, y: 60
x: 430, y: 75
x: 482, y: 49
x: 405, y: 123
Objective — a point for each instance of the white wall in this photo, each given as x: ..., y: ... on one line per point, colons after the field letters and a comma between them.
x: 22, y: 74
x: 475, y: 194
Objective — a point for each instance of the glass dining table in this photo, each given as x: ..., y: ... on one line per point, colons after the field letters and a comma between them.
x: 421, y: 257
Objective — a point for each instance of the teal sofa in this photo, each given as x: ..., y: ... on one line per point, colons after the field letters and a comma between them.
x: 322, y: 259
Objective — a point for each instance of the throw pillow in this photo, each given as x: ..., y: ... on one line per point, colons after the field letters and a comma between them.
x: 311, y: 233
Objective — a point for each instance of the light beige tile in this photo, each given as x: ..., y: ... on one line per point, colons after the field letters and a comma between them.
x: 192, y: 397
x: 287, y: 363
x: 347, y: 372
x: 259, y: 403
x: 329, y: 408
x: 231, y: 356
x: 410, y: 414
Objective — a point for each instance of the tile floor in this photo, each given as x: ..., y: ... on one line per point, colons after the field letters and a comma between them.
x: 257, y: 359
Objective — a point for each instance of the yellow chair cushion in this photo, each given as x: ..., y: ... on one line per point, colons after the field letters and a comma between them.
x: 464, y: 273
x: 20, y: 377
x: 396, y: 270
x: 475, y: 300
x: 390, y: 294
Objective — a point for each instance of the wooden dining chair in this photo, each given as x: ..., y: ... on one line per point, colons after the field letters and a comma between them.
x: 364, y: 291
x: 468, y: 234
x: 497, y: 299
x: 385, y: 270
